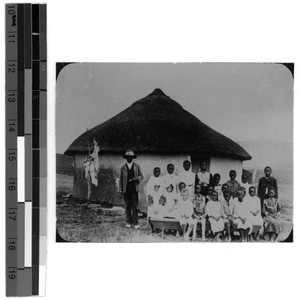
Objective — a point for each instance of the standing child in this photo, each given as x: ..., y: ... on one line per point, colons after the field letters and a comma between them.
x: 244, y: 182
x: 154, y: 179
x: 170, y: 177
x: 187, y: 176
x: 214, y: 211
x: 266, y: 183
x: 216, y: 185
x: 254, y: 204
x: 185, y: 211
x: 271, y: 210
x: 233, y: 184
x: 205, y: 178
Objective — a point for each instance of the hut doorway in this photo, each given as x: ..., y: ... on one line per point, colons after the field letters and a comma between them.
x: 196, y: 163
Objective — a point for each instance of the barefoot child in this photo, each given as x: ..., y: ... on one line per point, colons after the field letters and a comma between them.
x: 271, y: 210
x: 256, y: 219
x: 265, y: 183
x: 199, y: 214
x: 185, y: 211
x: 241, y: 215
x: 228, y: 206
x: 215, y: 212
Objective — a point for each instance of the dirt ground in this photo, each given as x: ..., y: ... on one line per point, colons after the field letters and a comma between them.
x: 77, y: 223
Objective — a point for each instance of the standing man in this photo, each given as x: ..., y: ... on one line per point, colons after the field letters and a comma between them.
x: 130, y: 177
x: 265, y: 184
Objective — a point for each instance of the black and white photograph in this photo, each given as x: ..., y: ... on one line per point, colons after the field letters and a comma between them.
x: 174, y: 152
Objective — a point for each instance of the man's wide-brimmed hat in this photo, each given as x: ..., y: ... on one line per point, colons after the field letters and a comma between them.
x: 129, y: 153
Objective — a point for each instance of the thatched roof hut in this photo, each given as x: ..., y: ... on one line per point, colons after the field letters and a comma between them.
x: 158, y: 124
x: 160, y: 131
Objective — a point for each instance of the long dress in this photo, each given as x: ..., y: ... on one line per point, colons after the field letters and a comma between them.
x: 263, y: 188
x: 254, y: 204
x: 215, y: 209
x: 241, y: 210
x: 188, y: 177
x: 170, y: 179
x: 271, y: 208
x: 185, y: 211
x: 171, y: 202
x: 153, y: 209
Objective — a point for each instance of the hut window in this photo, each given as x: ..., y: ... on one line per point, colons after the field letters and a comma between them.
x: 196, y: 162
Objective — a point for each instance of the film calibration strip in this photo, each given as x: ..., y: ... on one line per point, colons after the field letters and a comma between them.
x: 26, y: 144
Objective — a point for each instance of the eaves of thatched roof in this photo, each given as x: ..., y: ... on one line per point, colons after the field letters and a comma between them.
x: 158, y: 124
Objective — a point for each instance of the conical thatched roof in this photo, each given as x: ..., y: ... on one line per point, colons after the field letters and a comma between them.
x: 158, y: 124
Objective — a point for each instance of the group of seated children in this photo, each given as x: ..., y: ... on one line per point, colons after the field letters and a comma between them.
x: 221, y: 210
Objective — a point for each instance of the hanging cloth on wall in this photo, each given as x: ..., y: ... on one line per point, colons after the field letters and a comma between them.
x: 91, y: 165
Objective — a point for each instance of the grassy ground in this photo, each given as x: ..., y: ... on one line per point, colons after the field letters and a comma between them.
x: 78, y: 223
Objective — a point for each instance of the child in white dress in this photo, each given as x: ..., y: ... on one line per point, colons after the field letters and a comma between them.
x: 153, y: 201
x: 242, y: 216
x: 254, y: 203
x: 185, y: 211
x: 171, y: 200
x: 215, y: 212
x: 199, y: 213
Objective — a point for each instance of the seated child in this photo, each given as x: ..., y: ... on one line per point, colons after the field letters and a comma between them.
x: 254, y: 204
x: 163, y: 211
x: 153, y: 201
x: 171, y: 200
x: 215, y: 212
x: 185, y: 211
x: 228, y: 206
x: 181, y: 186
x: 271, y: 210
x: 242, y: 216
x: 199, y: 215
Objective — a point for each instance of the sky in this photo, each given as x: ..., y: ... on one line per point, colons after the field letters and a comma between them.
x: 243, y: 101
